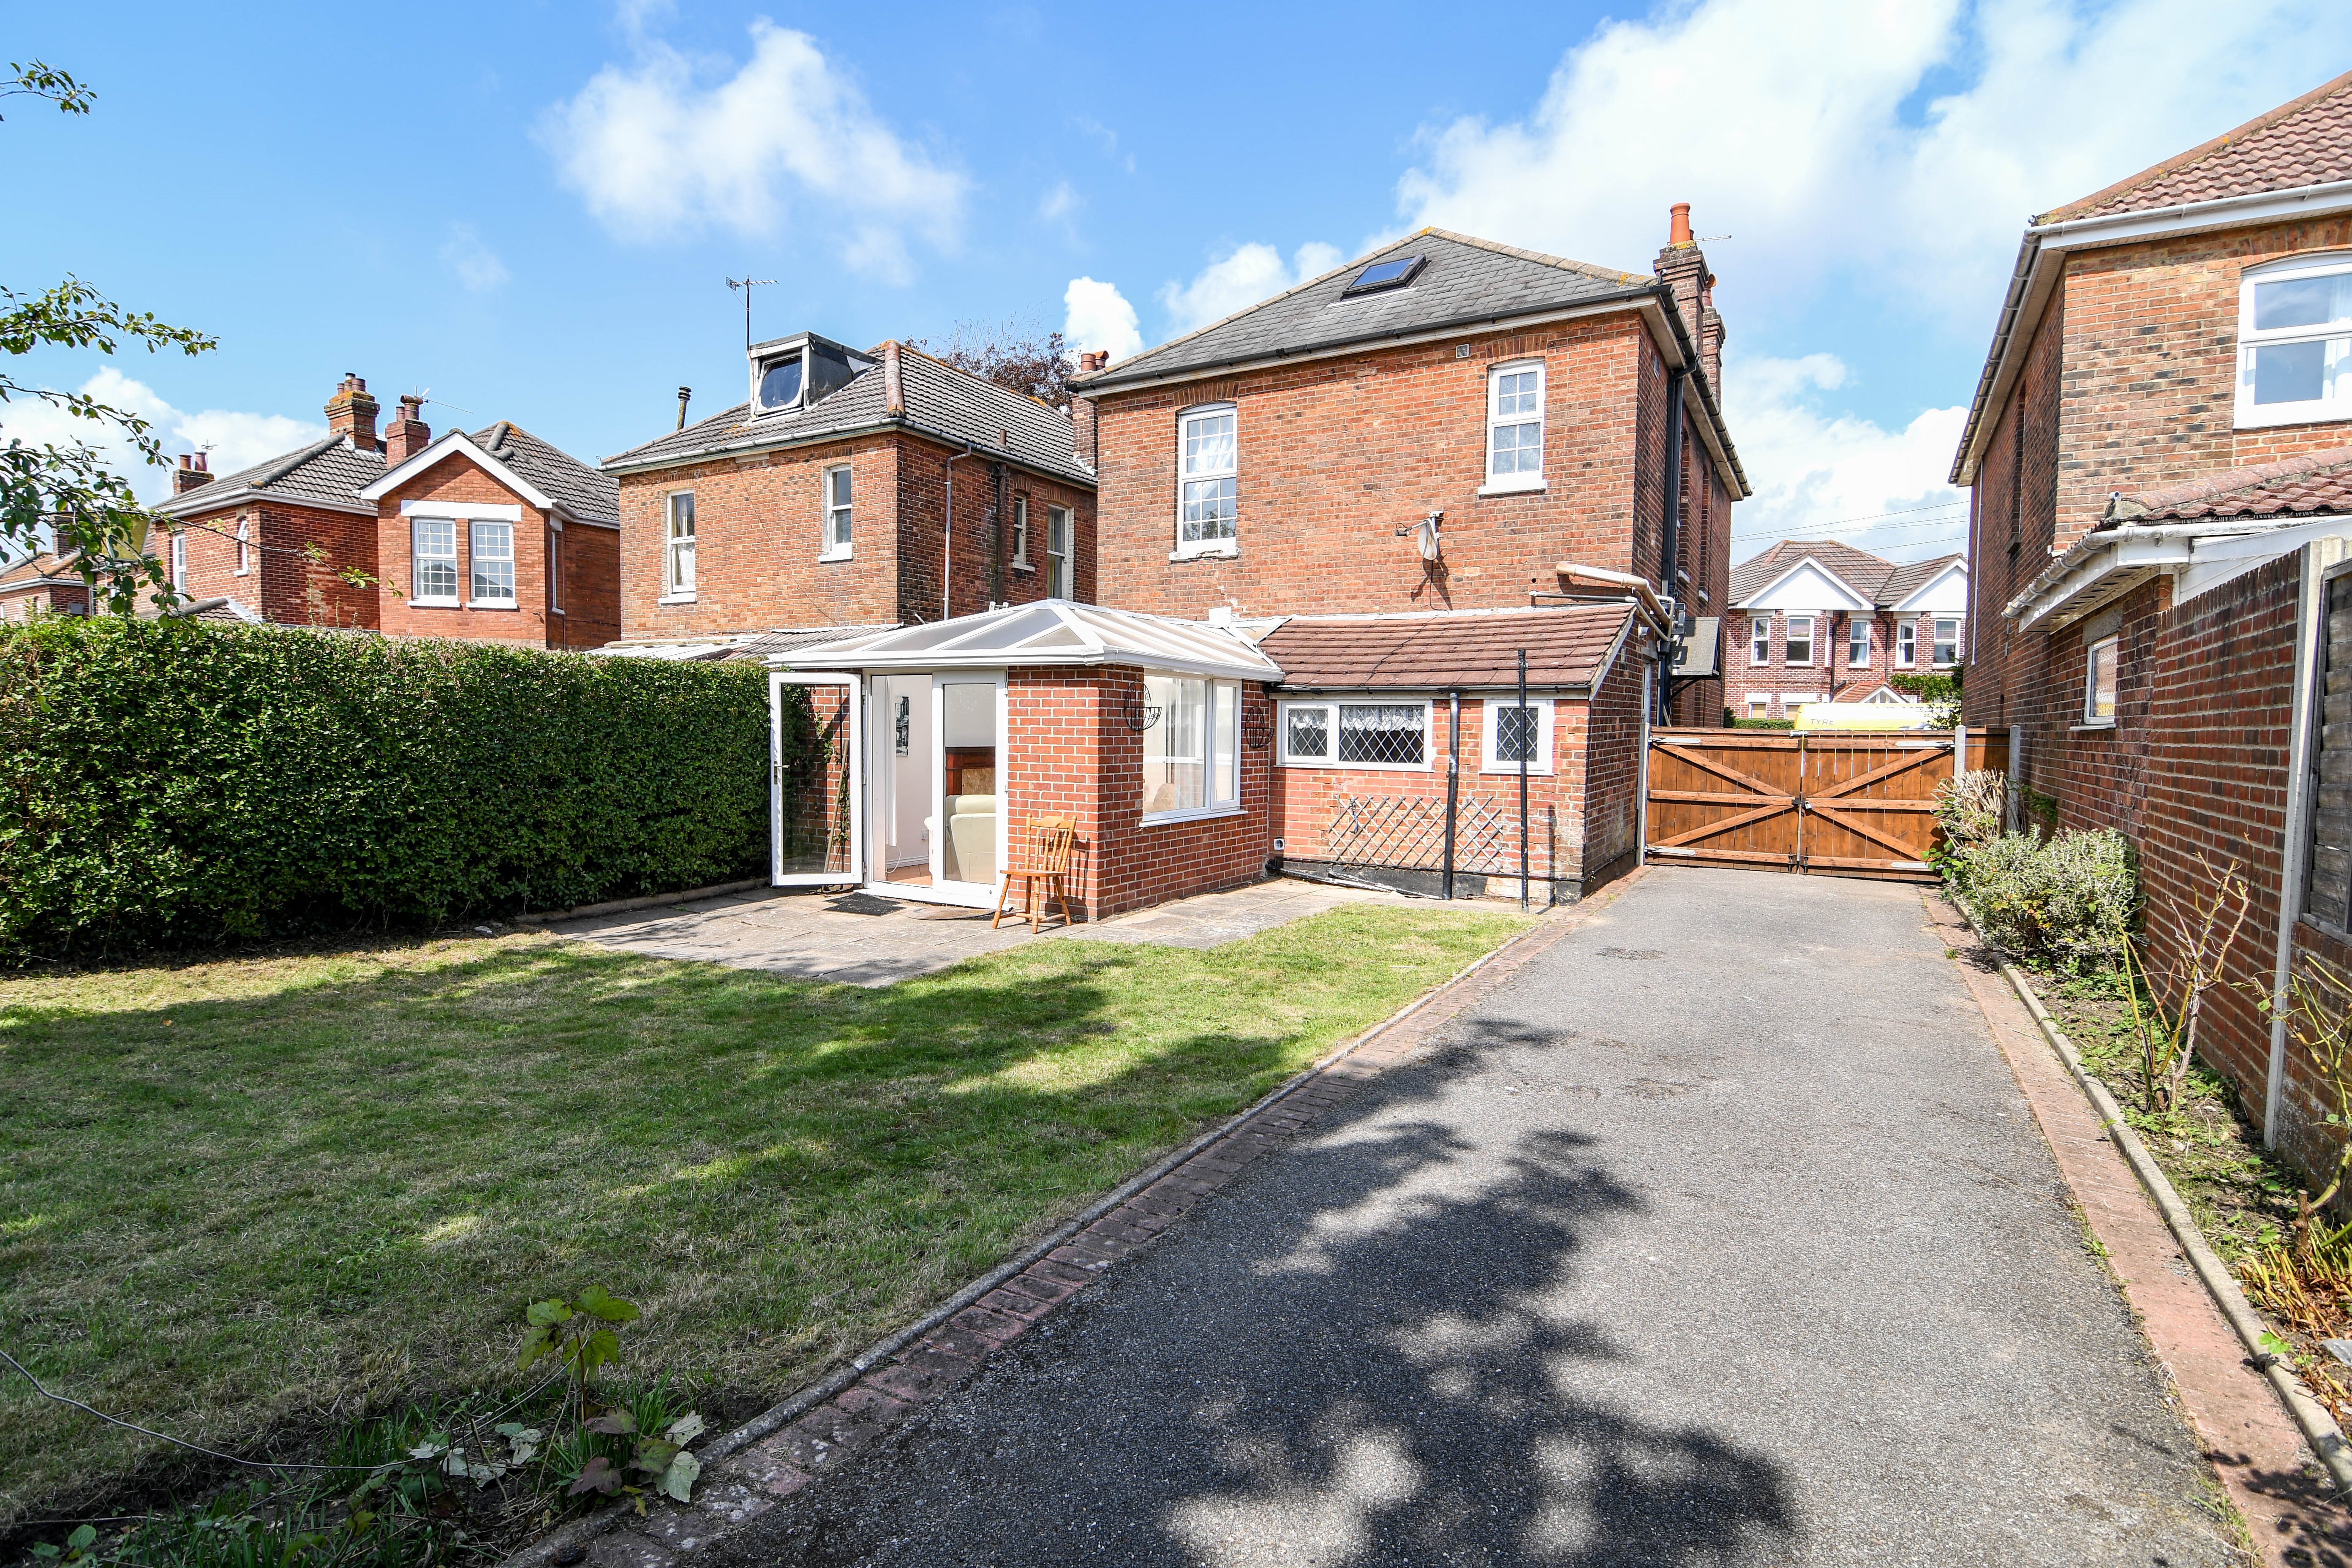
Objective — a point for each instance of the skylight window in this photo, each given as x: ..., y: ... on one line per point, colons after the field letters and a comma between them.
x: 1379, y: 275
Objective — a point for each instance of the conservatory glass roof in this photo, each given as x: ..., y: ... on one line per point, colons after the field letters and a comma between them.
x: 1055, y: 631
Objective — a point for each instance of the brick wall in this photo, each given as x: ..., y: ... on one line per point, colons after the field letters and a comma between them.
x: 759, y: 526
x: 23, y: 602
x: 1830, y: 671
x: 591, y: 587
x: 1603, y: 833
x: 283, y: 582
x: 456, y: 478
x: 1334, y: 454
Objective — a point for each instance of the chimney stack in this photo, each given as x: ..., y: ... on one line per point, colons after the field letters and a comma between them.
x: 1682, y: 268
x: 350, y: 414
x: 1082, y: 409
x: 195, y: 469
x: 409, y: 434
x: 1710, y: 335
x: 894, y: 382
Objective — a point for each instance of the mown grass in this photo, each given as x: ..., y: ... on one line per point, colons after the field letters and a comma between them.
x: 247, y: 1199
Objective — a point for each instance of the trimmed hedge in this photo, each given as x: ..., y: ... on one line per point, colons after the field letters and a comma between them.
x: 169, y: 783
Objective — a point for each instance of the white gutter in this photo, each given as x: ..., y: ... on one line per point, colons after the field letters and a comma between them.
x: 2097, y: 556
x: 1641, y: 587
x: 2031, y: 281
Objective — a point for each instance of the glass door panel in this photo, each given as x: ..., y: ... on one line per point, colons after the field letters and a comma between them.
x: 815, y: 798
x: 971, y: 828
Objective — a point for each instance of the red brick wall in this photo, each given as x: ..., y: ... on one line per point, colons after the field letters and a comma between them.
x: 1334, y: 454
x: 2012, y: 527
x: 284, y: 584
x: 1706, y: 555
x: 1070, y: 753
x: 759, y: 527
x: 591, y: 587
x: 457, y: 478
x: 21, y: 603
x: 1606, y: 827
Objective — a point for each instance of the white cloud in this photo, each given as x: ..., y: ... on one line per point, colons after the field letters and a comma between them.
x: 236, y: 441
x: 478, y: 267
x: 1060, y: 203
x: 1821, y: 474
x: 654, y: 147
x: 1099, y: 318
x: 1239, y: 278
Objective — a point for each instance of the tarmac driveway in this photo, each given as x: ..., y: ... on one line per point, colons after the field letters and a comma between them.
x: 1720, y: 1233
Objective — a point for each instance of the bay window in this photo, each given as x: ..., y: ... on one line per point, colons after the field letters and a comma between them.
x: 2295, y: 342
x: 1208, y: 484
x: 1192, y: 746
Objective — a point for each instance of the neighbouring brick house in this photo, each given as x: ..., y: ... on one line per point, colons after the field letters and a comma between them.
x: 1818, y: 621
x: 518, y: 538
x: 42, y: 584
x: 852, y: 490
x: 2160, y: 463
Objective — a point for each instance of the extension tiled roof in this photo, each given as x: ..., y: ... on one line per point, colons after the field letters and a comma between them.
x: 1470, y: 651
x: 1879, y: 580
x: 2313, y: 484
x: 941, y: 400
x: 563, y: 478
x: 328, y: 470
x: 1465, y: 282
x: 2305, y: 142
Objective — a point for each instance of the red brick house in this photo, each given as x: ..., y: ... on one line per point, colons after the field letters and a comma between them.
x: 2160, y: 463
x: 1818, y: 621
x: 42, y: 584
x: 853, y: 490
x: 518, y: 539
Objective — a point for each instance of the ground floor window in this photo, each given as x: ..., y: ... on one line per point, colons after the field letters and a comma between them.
x: 494, y: 562
x: 1360, y: 734
x: 2099, y: 683
x: 1191, y: 746
x: 1759, y: 705
x: 1513, y: 732
x: 432, y: 560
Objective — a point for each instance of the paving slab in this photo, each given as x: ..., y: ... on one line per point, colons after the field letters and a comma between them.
x: 1718, y: 1232
x: 867, y: 939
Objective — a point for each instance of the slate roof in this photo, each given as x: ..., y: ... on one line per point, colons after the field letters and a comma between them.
x: 2305, y: 142
x: 1470, y: 651
x: 2313, y: 484
x: 329, y: 469
x: 580, y: 489
x: 942, y: 401
x: 1467, y: 283
x: 1879, y: 580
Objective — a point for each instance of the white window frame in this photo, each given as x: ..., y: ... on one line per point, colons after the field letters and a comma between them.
x: 1059, y: 581
x: 554, y: 567
x: 180, y: 558
x: 1020, y: 561
x: 1522, y: 480
x: 478, y: 530
x: 417, y: 597
x: 1936, y: 641
x: 2092, y: 718
x: 243, y: 547
x: 1330, y: 758
x: 1759, y: 640
x: 1759, y: 705
x: 679, y: 549
x: 1220, y: 544
x: 1789, y: 641
x: 1906, y: 642
x: 1858, y: 630
x: 2249, y: 415
x: 1490, y: 726
x: 1218, y: 751
x: 840, y: 542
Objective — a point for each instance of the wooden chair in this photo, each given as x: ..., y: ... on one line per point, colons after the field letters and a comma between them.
x: 1041, y: 867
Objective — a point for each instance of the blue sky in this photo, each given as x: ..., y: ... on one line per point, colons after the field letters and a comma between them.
x: 530, y: 210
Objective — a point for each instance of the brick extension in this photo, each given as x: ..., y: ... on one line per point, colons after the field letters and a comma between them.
x: 751, y: 1480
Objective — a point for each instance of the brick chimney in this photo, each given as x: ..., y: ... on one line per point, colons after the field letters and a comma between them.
x: 1683, y: 269
x: 1710, y: 335
x: 1082, y: 409
x: 350, y: 414
x: 195, y: 469
x: 409, y: 435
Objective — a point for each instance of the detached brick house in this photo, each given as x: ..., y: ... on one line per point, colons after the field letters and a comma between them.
x: 42, y: 584
x: 2161, y: 461
x: 494, y: 536
x: 1819, y: 621
x: 850, y: 491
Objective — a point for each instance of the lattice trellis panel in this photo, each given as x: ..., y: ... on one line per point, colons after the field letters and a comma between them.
x: 1408, y: 832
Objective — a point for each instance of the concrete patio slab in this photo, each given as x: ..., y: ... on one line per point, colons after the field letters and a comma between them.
x: 862, y: 939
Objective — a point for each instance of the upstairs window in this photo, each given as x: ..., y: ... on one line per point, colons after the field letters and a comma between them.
x: 1059, y: 584
x: 838, y: 515
x: 1907, y: 644
x: 1759, y: 646
x: 1208, y: 486
x: 243, y: 547
x: 1799, y: 641
x: 494, y: 563
x: 1514, y: 427
x: 180, y: 560
x: 1857, y: 646
x: 1948, y: 639
x: 555, y: 570
x: 2295, y: 342
x: 1021, y: 533
x: 677, y: 546
x: 432, y: 560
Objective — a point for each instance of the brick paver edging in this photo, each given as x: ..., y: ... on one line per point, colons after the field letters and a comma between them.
x: 2319, y: 1428
x: 784, y: 1448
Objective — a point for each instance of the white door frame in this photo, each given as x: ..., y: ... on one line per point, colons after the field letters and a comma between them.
x: 967, y: 895
x: 854, y: 696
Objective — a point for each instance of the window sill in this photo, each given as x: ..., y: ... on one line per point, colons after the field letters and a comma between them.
x: 675, y: 599
x: 849, y: 554
x: 2292, y: 414
x: 1492, y: 488
x: 491, y: 604
x: 1198, y: 813
x: 1021, y: 566
x: 1511, y: 771
x: 2090, y: 724
x: 1359, y: 767
x: 1225, y: 551
x: 434, y: 605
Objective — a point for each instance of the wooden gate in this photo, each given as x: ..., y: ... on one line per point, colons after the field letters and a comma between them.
x: 1846, y: 803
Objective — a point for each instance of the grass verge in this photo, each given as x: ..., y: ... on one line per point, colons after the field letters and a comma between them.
x: 248, y: 1201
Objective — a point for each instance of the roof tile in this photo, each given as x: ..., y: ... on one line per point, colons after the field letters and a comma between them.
x: 2305, y: 142
x: 1471, y: 651
x: 2314, y: 483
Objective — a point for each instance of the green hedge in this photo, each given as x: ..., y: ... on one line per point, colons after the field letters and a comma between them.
x: 169, y: 783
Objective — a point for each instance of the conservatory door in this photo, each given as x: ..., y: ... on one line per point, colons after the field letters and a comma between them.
x: 969, y: 831
x: 815, y: 767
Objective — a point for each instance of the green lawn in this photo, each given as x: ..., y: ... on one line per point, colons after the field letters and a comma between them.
x: 246, y: 1199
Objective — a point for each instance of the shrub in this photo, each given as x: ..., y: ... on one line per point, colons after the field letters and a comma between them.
x: 1969, y: 810
x: 173, y: 783
x: 2070, y: 898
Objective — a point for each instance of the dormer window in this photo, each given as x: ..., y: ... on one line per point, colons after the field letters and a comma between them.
x: 780, y: 383
x: 1394, y: 273
x: 794, y: 372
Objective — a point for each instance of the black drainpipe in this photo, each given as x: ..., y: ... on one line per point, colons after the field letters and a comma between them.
x: 996, y: 538
x: 1670, y: 530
